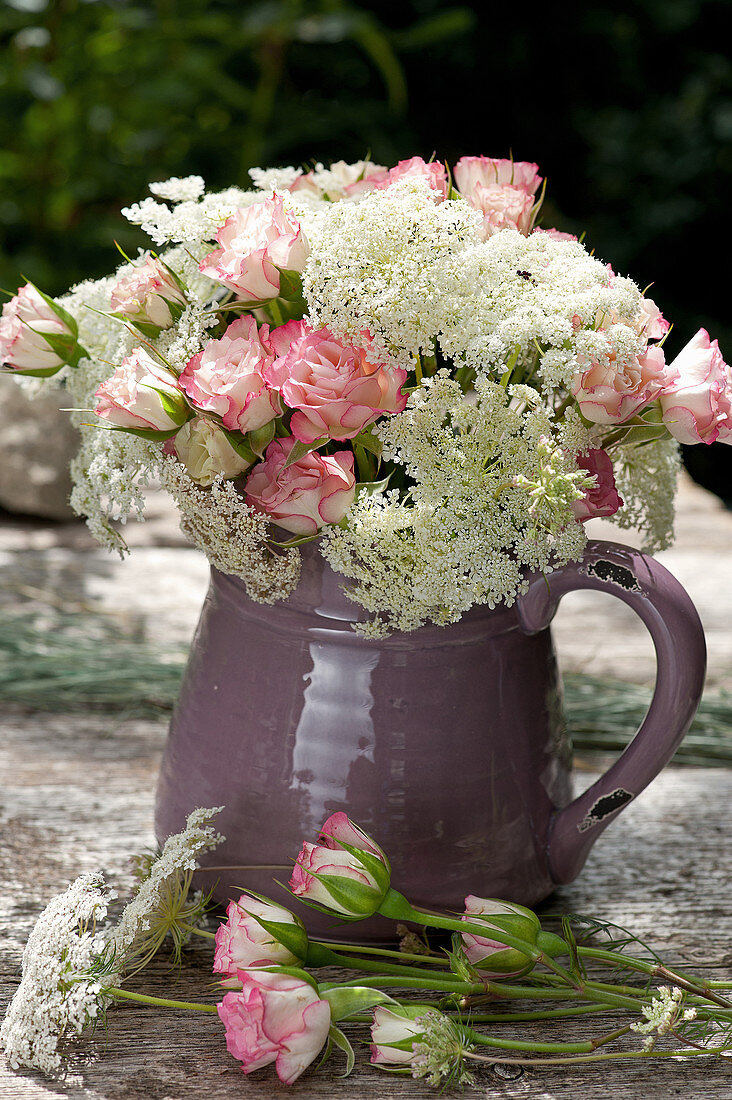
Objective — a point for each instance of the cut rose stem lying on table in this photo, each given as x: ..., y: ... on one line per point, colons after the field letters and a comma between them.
x: 275, y: 1010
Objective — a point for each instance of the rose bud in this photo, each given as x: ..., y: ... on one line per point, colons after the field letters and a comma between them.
x: 258, y: 933
x: 603, y: 498
x: 36, y: 335
x: 697, y: 405
x: 346, y: 872
x: 142, y: 395
x: 305, y: 496
x: 225, y: 379
x: 205, y: 452
x: 610, y: 391
x: 149, y: 295
x: 257, y: 242
x: 275, y: 1018
x: 490, y: 956
x: 394, y: 1033
x: 336, y: 389
x: 474, y: 172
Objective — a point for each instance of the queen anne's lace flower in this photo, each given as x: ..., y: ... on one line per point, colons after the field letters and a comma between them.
x: 58, y: 995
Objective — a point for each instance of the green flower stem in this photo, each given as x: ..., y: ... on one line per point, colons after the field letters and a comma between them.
x: 323, y: 956
x: 524, y: 1017
x: 437, y: 960
x: 500, y: 992
x: 198, y: 931
x: 656, y: 970
x: 161, y: 1002
x: 586, y: 1046
x: 610, y: 1056
x: 395, y: 905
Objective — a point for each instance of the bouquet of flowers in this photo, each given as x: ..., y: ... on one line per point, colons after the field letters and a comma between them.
x: 396, y: 362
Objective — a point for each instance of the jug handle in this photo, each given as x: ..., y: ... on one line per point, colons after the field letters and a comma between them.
x: 678, y: 637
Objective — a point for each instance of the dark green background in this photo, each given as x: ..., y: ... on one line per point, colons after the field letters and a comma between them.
x: 627, y: 107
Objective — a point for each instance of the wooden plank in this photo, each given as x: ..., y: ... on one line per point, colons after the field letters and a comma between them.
x: 77, y: 795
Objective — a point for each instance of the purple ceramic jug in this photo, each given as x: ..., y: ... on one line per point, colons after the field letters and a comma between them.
x: 446, y: 744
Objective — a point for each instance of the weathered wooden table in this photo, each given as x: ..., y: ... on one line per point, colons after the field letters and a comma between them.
x: 76, y: 795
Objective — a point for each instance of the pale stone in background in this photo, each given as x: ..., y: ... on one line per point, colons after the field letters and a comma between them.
x: 37, y: 443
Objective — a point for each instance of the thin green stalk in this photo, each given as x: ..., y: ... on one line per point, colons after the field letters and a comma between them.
x: 275, y: 312
x: 583, y: 1047
x: 198, y: 931
x: 525, y: 1017
x: 323, y: 956
x: 655, y: 970
x: 162, y: 1002
x: 438, y: 960
x: 611, y: 1056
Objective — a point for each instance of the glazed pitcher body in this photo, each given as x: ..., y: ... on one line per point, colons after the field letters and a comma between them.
x: 446, y: 744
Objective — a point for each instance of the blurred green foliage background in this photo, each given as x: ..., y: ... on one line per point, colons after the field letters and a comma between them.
x: 626, y: 106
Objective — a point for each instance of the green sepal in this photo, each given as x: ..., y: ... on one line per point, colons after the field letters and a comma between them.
x: 296, y: 540
x: 292, y: 936
x: 350, y: 895
x: 40, y: 372
x: 378, y: 866
x: 239, y: 443
x: 371, y: 487
x: 260, y: 439
x: 301, y: 449
x: 336, y: 1036
x: 63, y: 344
x: 369, y: 442
x: 60, y: 312
x: 552, y: 945
x: 459, y: 965
x: 346, y: 1001
x: 145, y: 328
x: 173, y: 407
x: 290, y: 285
x: 144, y: 433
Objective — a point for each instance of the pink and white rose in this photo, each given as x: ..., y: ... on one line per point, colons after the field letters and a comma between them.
x: 394, y: 1027
x: 432, y: 172
x: 334, y: 388
x: 256, y: 243
x: 611, y: 391
x: 603, y: 498
x: 275, y: 1018
x: 353, y: 885
x: 302, y: 498
x: 651, y: 322
x: 477, y: 172
x: 491, y: 956
x: 241, y: 941
x: 697, y: 405
x: 342, y: 181
x: 142, y: 394
x: 148, y: 293
x: 24, y: 320
x: 226, y: 378
x: 205, y: 452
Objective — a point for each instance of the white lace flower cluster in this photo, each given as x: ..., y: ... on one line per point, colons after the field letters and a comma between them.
x: 410, y: 371
x: 71, y: 960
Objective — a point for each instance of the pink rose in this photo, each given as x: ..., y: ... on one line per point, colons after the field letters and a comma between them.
x: 302, y: 498
x: 603, y: 498
x: 697, y: 405
x: 394, y: 1033
x: 142, y: 394
x: 503, y: 208
x: 242, y: 941
x: 149, y: 294
x: 24, y: 321
x: 491, y: 956
x: 353, y: 872
x: 275, y: 1018
x: 335, y: 389
x: 225, y: 379
x: 652, y: 323
x: 610, y: 391
x: 473, y: 172
x: 205, y: 451
x: 342, y: 180
x: 256, y: 243
x: 556, y: 234
x: 433, y: 173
